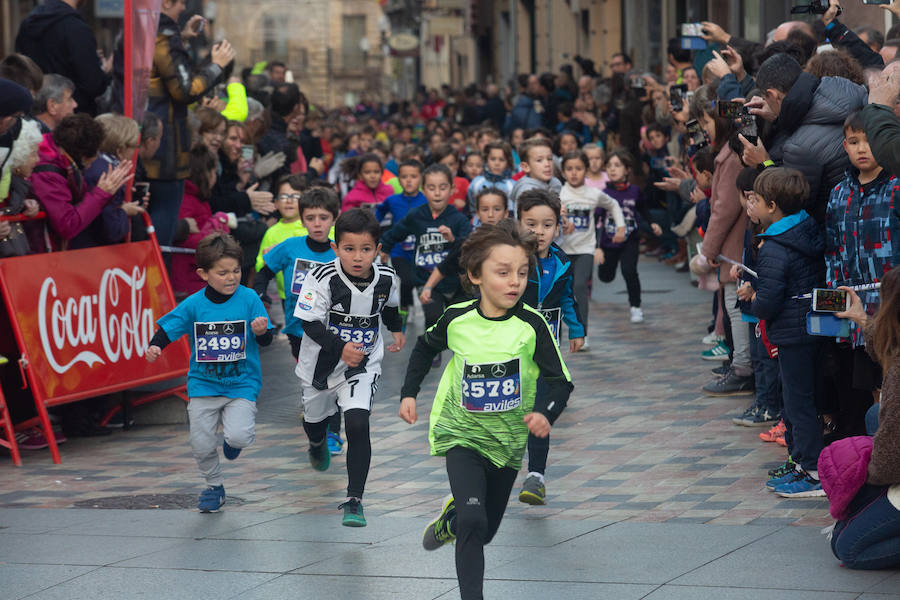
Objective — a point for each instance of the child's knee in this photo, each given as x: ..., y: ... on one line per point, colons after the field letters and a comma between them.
x: 471, y: 521
x: 240, y: 437
x: 605, y: 276
x: 356, y: 424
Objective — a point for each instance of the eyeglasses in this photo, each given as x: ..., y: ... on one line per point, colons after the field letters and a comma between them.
x: 294, y: 197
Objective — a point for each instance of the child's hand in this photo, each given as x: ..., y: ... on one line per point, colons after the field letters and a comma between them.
x: 575, y: 344
x: 857, y: 313
x: 352, y: 354
x: 408, y: 410
x: 425, y: 296
x: 399, y: 341
x: 31, y: 207
x: 745, y: 292
x: 599, y: 256
x: 657, y: 230
x: 445, y: 231
x: 537, y: 424
x: 697, y: 195
x: 152, y: 353
x: 620, y: 235
x: 259, y: 325
x: 736, y: 272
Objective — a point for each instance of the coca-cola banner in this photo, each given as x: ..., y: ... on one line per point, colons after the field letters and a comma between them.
x: 86, y: 317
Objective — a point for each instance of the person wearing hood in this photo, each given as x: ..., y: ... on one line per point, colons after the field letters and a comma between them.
x: 808, y: 117
x: 72, y: 52
x: 790, y: 263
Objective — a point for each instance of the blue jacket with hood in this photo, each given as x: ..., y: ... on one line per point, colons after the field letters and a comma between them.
x: 558, y: 297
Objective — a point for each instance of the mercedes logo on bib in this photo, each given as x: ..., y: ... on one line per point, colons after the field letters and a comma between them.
x: 228, y: 329
x: 364, y: 323
x: 498, y: 370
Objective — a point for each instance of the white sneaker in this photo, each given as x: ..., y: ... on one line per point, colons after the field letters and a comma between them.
x: 712, y: 339
x: 586, y: 345
x: 637, y: 315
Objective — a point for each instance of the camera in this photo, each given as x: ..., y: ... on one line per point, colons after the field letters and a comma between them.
x: 816, y: 7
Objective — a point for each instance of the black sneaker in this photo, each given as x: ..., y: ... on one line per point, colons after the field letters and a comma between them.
x: 723, y: 370
x: 756, y: 416
x: 319, y: 456
x: 731, y: 384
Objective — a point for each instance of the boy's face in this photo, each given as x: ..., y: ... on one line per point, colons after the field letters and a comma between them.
x: 857, y: 146
x: 543, y: 223
x: 288, y: 203
x: 759, y: 211
x: 437, y: 192
x: 539, y: 164
x: 657, y: 140
x: 410, y: 180
x: 473, y: 167
x: 224, y: 276
x: 704, y: 180
x: 483, y: 140
x: 318, y: 222
x: 574, y: 172
x: 491, y: 209
x: 357, y: 252
x: 496, y: 161
x: 503, y: 277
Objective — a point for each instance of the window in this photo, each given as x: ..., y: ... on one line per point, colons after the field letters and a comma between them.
x: 275, y: 36
x: 353, y: 34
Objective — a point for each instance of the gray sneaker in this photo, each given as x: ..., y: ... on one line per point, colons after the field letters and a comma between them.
x: 533, y: 492
x: 756, y: 416
x: 731, y: 384
x: 438, y: 531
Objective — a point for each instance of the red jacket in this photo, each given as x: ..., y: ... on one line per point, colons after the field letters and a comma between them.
x: 362, y: 194
x: 185, y: 280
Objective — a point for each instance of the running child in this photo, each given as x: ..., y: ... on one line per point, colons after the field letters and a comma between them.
x: 596, y: 176
x: 537, y: 164
x: 473, y: 165
x: 292, y: 260
x: 445, y: 155
x: 368, y: 191
x: 609, y: 252
x: 486, y: 404
x: 287, y: 203
x: 341, y: 306
x: 580, y: 240
x: 497, y: 172
x: 225, y: 323
x: 549, y: 292
x: 398, y: 205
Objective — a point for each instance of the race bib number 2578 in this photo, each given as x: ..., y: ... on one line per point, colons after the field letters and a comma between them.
x: 491, y: 387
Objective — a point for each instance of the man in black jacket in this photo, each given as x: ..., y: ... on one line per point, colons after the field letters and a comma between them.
x: 59, y: 40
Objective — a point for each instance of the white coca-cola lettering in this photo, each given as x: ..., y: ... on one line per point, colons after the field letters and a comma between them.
x: 124, y: 331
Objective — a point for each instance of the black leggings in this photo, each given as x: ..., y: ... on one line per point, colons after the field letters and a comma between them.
x: 334, y: 421
x: 359, y: 447
x: 481, y: 491
x: 405, y: 273
x: 627, y: 254
x: 439, y: 303
x: 538, y: 448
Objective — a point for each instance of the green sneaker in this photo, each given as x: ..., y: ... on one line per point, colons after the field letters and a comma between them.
x: 319, y: 456
x: 789, y: 466
x: 533, y: 492
x: 353, y: 513
x: 438, y: 531
x: 718, y: 352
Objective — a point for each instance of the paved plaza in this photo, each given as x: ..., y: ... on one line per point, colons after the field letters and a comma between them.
x: 652, y: 493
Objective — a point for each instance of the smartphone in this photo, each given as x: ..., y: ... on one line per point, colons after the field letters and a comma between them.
x: 691, y: 29
x: 659, y: 163
x: 676, y: 94
x: 881, y: 2
x: 748, y: 126
x: 696, y: 135
x: 636, y: 81
x: 200, y: 25
x: 730, y: 110
x: 139, y: 191
x: 832, y: 301
x: 247, y: 153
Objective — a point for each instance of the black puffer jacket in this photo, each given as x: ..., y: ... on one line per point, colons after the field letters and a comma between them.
x: 810, y: 133
x: 790, y: 263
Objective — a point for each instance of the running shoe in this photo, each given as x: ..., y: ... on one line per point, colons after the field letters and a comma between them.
x: 759, y: 417
x: 586, y: 346
x: 774, y: 433
x: 211, y: 499
x: 533, y: 491
x: 439, y: 531
x: 712, y: 339
x: 319, y: 457
x: 718, y: 352
x: 229, y: 451
x: 3, y: 360
x: 802, y: 485
x: 637, y: 315
x: 781, y: 441
x: 773, y: 482
x: 31, y: 439
x: 353, y: 513
x: 789, y: 466
x: 335, y: 443
x: 731, y: 384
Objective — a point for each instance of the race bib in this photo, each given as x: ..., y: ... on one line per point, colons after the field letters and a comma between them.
x: 301, y: 268
x: 581, y: 218
x: 552, y: 316
x: 354, y: 329
x: 431, y: 251
x: 221, y: 341
x: 409, y: 244
x: 491, y: 387
x: 630, y: 226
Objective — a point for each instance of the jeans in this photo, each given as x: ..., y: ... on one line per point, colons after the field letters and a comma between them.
x: 582, y: 267
x: 799, y: 367
x: 481, y: 490
x: 627, y: 254
x: 870, y: 538
x: 740, y: 362
x: 165, y: 201
x: 765, y: 374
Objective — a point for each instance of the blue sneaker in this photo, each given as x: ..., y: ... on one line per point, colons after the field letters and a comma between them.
x: 230, y: 452
x: 335, y: 443
x: 211, y: 499
x: 781, y: 477
x: 803, y: 485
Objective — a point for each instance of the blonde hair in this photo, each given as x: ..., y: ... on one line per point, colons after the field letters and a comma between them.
x: 118, y: 132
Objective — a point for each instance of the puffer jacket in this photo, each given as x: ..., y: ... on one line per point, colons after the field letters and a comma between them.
x: 525, y: 114
x: 790, y: 263
x: 558, y: 296
x: 843, y: 468
x: 174, y: 85
x: 810, y: 133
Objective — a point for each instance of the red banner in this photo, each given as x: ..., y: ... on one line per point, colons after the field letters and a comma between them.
x: 84, y: 319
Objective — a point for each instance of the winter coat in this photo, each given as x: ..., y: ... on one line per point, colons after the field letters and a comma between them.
x: 842, y: 470
x: 810, y: 133
x: 559, y: 296
x: 59, y: 185
x: 59, y: 40
x: 524, y: 114
x: 730, y: 88
x: 113, y: 225
x: 504, y: 182
x: 790, y: 263
x: 185, y: 280
x: 728, y: 219
x: 361, y: 194
x: 174, y: 85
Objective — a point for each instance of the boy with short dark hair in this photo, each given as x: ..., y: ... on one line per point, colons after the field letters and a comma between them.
x: 536, y: 154
x: 790, y: 263
x: 341, y: 306
x: 225, y: 324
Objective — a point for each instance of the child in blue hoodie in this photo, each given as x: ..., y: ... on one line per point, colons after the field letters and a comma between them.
x: 790, y: 263
x: 549, y: 291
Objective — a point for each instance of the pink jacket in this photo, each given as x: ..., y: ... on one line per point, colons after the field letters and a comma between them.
x: 362, y: 194
x: 185, y: 280
x: 843, y: 468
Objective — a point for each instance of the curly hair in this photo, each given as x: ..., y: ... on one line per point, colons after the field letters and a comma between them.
x: 836, y: 63
x: 80, y: 136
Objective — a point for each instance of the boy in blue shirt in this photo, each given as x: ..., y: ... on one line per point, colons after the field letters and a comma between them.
x: 294, y: 258
x: 409, y: 173
x: 226, y: 323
